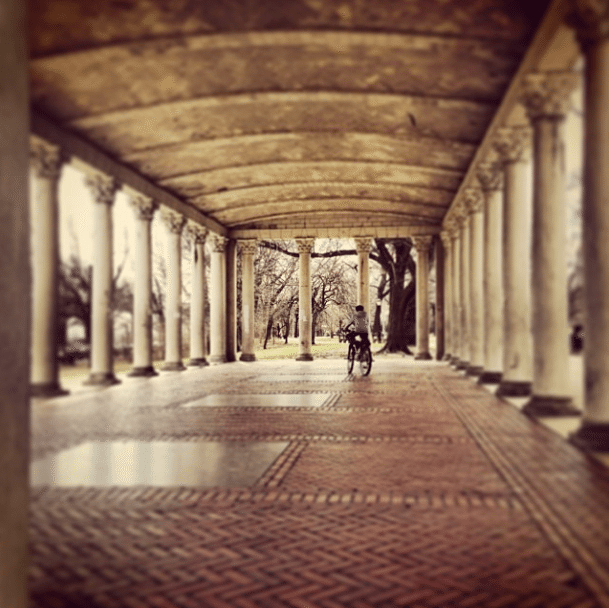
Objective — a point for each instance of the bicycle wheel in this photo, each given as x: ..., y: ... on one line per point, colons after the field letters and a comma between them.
x: 350, y: 358
x: 365, y: 361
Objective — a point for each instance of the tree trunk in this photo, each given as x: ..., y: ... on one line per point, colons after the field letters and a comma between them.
x: 401, y: 331
x: 269, y: 331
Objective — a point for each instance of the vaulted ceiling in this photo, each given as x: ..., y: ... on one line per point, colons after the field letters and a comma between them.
x: 284, y: 114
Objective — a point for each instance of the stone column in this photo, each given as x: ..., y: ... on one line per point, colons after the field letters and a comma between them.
x: 457, y: 281
x: 440, y: 308
x: 231, y: 300
x: 546, y: 98
x: 144, y: 208
x: 447, y: 242
x: 305, y: 311
x: 363, y: 247
x: 45, y: 170
x: 422, y: 244
x: 174, y: 222
x: 512, y: 144
x: 198, y: 338
x: 248, y: 248
x: 592, y: 22
x: 474, y: 203
x: 102, y: 361
x: 217, y: 300
x: 464, y: 293
x: 490, y: 178
x: 14, y: 303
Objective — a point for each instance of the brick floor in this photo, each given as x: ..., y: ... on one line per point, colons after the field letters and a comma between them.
x: 409, y: 488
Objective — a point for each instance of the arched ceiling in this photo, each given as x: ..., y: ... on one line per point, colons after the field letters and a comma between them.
x: 284, y: 114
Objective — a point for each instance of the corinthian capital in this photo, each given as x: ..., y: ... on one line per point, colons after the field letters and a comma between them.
x: 45, y: 159
x: 363, y: 244
x: 173, y: 220
x: 218, y: 243
x: 196, y: 233
x: 305, y: 245
x: 490, y: 176
x: 103, y: 187
x: 422, y: 243
x: 248, y: 246
x: 590, y: 19
x: 512, y: 143
x: 473, y: 200
x: 144, y: 207
x: 547, y: 94
x: 446, y: 238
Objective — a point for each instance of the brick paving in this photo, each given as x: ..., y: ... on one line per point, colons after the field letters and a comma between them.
x: 409, y: 488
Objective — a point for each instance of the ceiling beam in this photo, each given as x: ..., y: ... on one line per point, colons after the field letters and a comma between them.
x: 85, y: 153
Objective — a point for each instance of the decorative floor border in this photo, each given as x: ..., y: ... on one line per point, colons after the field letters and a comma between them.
x: 557, y: 529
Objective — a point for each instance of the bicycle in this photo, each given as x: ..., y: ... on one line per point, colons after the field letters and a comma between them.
x: 360, y: 352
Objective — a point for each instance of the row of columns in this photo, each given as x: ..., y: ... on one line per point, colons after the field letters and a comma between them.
x: 45, y: 173
x: 505, y: 250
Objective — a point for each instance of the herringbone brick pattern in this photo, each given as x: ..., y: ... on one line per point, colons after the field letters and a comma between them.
x: 410, y: 488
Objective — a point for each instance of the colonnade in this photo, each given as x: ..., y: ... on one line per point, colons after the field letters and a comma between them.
x: 505, y: 283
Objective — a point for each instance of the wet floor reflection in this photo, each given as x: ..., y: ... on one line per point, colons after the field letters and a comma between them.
x: 157, y: 463
x: 283, y: 400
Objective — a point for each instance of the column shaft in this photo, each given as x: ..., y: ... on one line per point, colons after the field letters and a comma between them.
x: 231, y: 300
x: 456, y: 297
x: 464, y: 300
x: 517, y: 352
x: 248, y: 250
x: 217, y: 301
x: 422, y: 244
x: 198, y: 341
x: 173, y: 296
x: 14, y: 298
x: 440, y: 310
x: 594, y: 432
x: 362, y: 246
x: 44, y: 183
x: 448, y: 271
x: 493, y: 278
x: 305, y: 312
x: 102, y: 330
x: 144, y: 208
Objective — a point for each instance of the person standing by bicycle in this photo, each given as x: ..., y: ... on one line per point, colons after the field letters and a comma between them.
x: 361, y: 324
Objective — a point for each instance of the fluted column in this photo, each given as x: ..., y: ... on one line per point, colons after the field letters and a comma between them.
x: 217, y: 300
x: 15, y: 293
x: 144, y: 208
x: 512, y: 144
x: 103, y: 189
x: 174, y: 222
x: 474, y: 203
x: 231, y: 300
x: 440, y: 290
x: 592, y: 22
x: 465, y: 294
x: 248, y: 249
x: 363, y: 245
x: 45, y: 170
x: 456, y: 295
x: 422, y: 244
x: 198, y: 338
x: 305, y: 311
x: 490, y: 177
x: 546, y: 98
x: 447, y: 243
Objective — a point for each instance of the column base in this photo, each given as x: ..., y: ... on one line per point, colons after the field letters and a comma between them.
x: 490, y: 377
x: 539, y: 405
x: 101, y: 379
x: 143, y: 372
x: 461, y: 365
x: 422, y: 356
x: 454, y: 360
x: 47, y: 389
x: 305, y: 357
x: 514, y: 388
x: 247, y: 357
x: 591, y: 437
x: 173, y: 366
x: 474, y: 370
x: 447, y: 357
x: 198, y: 362
x: 217, y: 359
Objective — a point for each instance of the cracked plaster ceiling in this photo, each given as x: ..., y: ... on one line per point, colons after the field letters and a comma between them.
x: 284, y: 114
